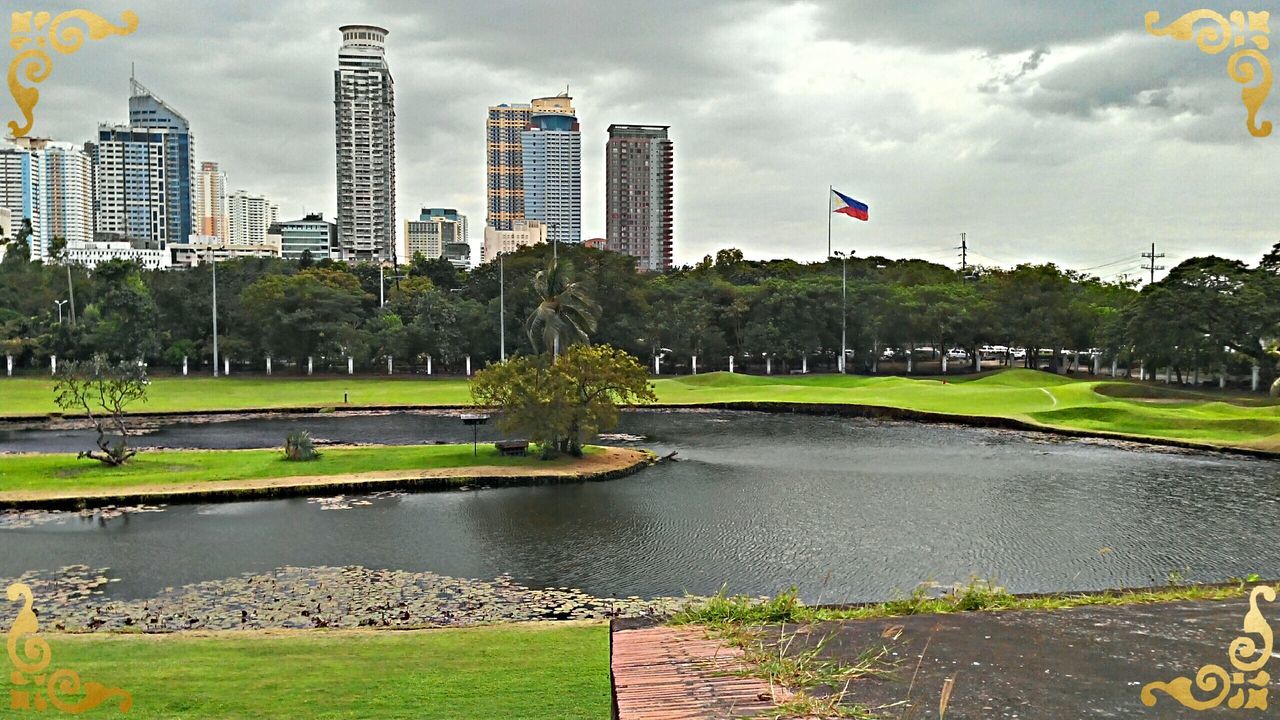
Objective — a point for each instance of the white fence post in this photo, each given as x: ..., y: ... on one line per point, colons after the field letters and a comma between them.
x: 768, y: 365
x: 428, y: 364
x: 656, y: 369
x: 53, y: 367
x: 268, y: 364
x: 730, y: 363
x: 944, y: 363
x: 1222, y: 378
x: 468, y: 366
x: 390, y: 367
x: 1256, y: 377
x: 351, y: 365
x: 184, y: 366
x: 309, y: 367
x: 8, y: 361
x: 804, y: 364
x: 695, y: 364
x: 226, y: 366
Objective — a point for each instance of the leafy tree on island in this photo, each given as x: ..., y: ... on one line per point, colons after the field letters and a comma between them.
x: 561, y: 402
x: 104, y: 390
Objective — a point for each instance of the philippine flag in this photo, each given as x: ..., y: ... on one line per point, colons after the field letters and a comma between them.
x: 845, y: 205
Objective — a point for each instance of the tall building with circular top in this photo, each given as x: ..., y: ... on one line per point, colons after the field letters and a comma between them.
x: 365, y: 135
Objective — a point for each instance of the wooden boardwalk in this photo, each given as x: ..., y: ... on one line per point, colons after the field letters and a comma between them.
x: 664, y: 673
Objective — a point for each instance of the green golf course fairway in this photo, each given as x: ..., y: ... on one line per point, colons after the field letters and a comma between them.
x: 536, y: 671
x: 1102, y: 406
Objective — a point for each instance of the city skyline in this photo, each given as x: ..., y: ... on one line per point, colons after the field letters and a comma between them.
x: 944, y: 126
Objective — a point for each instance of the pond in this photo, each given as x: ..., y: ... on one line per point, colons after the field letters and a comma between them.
x: 845, y: 510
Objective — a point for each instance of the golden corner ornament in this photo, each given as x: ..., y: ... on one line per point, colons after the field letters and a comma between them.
x: 1245, y: 687
x: 32, y: 34
x: 1247, y: 65
x: 36, y: 688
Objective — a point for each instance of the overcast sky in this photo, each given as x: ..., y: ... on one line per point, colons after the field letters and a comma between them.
x: 1051, y: 130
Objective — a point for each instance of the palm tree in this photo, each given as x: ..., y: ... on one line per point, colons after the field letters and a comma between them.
x: 566, y: 313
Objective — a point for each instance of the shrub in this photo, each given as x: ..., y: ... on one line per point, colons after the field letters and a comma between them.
x: 299, y: 446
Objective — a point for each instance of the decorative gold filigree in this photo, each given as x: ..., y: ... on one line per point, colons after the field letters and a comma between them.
x: 31, y: 656
x: 1245, y: 655
x: 1245, y: 65
x: 32, y: 33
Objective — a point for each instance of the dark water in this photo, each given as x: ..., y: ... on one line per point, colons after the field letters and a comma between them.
x: 844, y: 509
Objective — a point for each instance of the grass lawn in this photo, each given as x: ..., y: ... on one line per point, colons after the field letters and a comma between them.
x: 61, y: 471
x: 551, y: 671
x: 1097, y: 405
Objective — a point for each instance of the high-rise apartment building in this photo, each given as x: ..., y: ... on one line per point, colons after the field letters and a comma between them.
x: 638, y: 194
x: 365, y: 131
x: 211, y: 202
x: 551, y: 158
x: 144, y: 172
x: 49, y: 184
x: 249, y: 216
x: 505, y: 189
x: 435, y: 230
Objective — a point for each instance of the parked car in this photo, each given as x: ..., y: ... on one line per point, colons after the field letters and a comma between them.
x: 889, y: 354
x: 1018, y: 353
x: 957, y: 354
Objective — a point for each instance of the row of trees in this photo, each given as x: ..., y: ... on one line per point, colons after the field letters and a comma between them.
x: 1207, y: 313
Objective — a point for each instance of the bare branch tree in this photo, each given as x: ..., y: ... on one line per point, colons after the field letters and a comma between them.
x: 103, y: 390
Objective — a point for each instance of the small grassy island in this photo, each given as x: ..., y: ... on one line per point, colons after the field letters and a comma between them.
x: 60, y: 479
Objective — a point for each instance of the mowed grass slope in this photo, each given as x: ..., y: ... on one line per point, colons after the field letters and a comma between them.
x: 1094, y: 405
x: 61, y: 471
x: 536, y: 671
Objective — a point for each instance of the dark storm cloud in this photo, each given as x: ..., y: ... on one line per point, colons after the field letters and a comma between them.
x: 1047, y: 130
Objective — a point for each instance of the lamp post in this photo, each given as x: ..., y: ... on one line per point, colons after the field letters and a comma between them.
x: 59, y: 303
x: 382, y: 285
x: 844, y: 303
x: 213, y: 264
x: 502, y: 307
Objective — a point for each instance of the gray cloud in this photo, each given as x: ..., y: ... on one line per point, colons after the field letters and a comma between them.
x: 1046, y: 130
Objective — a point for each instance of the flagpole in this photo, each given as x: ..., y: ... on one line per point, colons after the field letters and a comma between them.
x: 829, y: 189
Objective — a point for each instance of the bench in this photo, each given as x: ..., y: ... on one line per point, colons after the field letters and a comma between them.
x: 512, y: 447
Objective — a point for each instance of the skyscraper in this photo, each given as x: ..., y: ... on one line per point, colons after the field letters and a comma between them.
x: 211, y: 202
x: 551, y: 156
x: 505, y: 190
x: 638, y: 194
x: 249, y: 217
x: 48, y: 183
x: 146, y: 110
x: 365, y: 129
x: 144, y: 172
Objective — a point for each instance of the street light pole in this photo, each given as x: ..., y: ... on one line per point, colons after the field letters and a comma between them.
x: 59, y: 303
x: 844, y: 307
x: 213, y: 263
x: 502, y: 306
x: 382, y: 288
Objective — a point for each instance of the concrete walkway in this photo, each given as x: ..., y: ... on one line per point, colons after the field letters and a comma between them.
x: 1089, y: 662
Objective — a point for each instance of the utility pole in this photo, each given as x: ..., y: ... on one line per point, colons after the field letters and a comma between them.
x: 1152, y: 265
x: 71, y: 293
x: 213, y: 263
x: 382, y: 288
x: 964, y: 254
